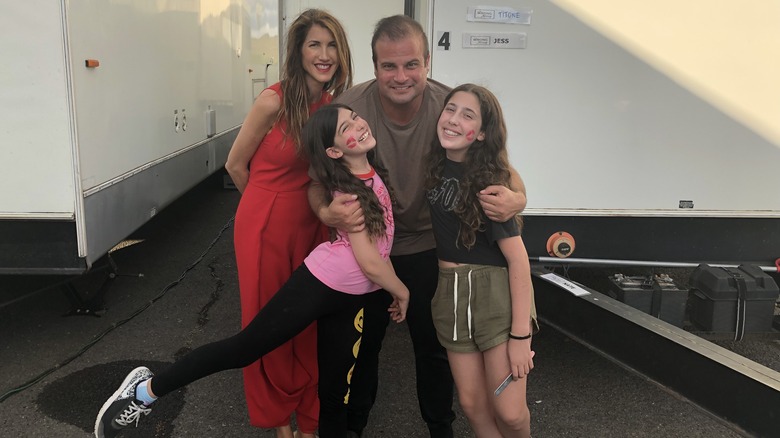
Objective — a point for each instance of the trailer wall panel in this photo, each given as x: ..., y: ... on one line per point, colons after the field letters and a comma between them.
x: 162, y: 65
x: 594, y: 128
x: 36, y: 176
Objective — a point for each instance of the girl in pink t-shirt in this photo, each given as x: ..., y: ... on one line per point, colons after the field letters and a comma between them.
x: 329, y: 287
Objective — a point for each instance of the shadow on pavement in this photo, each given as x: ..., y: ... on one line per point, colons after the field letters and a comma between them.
x: 76, y: 399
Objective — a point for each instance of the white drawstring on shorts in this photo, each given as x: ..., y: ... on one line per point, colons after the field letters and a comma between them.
x: 455, y: 307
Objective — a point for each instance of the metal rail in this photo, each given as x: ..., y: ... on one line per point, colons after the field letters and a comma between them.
x: 638, y: 263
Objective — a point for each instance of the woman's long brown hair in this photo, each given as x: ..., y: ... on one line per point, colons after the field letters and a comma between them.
x: 295, y: 103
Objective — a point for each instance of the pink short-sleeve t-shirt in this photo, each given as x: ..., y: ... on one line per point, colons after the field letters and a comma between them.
x: 334, y: 263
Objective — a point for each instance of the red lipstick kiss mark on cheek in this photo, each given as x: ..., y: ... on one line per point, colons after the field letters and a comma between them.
x: 470, y: 136
x: 351, y: 143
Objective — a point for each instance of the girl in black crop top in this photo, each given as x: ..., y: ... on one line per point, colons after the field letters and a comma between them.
x: 468, y: 153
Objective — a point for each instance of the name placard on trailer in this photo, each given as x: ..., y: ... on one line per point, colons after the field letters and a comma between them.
x: 494, y: 40
x: 498, y: 14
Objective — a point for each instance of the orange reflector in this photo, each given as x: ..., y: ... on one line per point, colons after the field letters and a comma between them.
x: 92, y: 63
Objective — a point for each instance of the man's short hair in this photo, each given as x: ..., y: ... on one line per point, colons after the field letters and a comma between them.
x: 398, y: 27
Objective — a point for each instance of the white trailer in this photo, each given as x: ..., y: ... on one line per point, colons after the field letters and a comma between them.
x: 645, y: 131
x: 110, y: 111
x: 648, y: 131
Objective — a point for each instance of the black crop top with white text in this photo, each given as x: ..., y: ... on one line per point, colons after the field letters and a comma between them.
x: 446, y: 225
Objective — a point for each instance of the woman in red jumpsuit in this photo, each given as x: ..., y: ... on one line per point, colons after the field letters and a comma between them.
x: 274, y: 227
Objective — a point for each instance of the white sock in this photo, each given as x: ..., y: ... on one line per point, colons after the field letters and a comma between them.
x: 142, y: 393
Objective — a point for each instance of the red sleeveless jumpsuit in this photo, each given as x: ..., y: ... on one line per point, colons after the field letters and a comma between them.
x: 275, y: 230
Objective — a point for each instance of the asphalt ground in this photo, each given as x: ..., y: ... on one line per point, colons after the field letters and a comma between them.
x: 177, y: 289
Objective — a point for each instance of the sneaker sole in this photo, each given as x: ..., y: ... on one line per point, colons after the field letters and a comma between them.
x: 99, y: 424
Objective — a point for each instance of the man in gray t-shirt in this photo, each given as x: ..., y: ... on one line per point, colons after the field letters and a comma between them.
x: 402, y: 107
x: 401, y: 149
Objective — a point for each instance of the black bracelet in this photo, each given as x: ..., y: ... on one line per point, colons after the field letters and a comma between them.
x: 519, y: 338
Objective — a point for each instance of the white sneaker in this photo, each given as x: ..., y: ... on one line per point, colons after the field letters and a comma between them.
x: 122, y: 409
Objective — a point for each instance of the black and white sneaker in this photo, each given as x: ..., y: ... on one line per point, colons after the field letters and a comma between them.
x: 122, y: 409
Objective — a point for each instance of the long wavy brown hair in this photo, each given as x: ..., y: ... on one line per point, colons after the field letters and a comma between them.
x: 318, y: 135
x: 295, y: 103
x: 486, y: 163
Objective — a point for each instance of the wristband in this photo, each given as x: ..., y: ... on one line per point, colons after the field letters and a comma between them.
x: 519, y: 338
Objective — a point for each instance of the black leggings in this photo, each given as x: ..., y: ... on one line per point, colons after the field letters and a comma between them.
x: 301, y: 301
x: 420, y: 273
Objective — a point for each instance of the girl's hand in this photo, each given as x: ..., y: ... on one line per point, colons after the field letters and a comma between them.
x: 520, y: 357
x: 399, y: 305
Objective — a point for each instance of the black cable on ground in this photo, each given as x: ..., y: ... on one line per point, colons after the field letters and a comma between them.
x: 117, y: 324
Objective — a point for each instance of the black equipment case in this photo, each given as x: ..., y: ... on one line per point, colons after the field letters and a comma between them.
x: 735, y: 300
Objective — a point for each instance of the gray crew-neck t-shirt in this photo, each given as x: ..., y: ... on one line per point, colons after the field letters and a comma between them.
x: 402, y: 150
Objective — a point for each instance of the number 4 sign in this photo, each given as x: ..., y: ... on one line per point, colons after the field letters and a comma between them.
x: 443, y: 41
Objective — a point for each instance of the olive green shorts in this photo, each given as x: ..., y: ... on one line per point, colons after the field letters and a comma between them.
x: 472, y: 308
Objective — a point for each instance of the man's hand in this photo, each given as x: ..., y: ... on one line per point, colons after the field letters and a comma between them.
x: 344, y: 213
x: 500, y: 203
